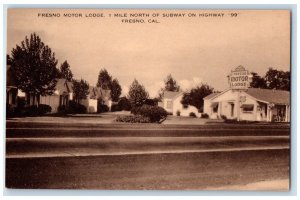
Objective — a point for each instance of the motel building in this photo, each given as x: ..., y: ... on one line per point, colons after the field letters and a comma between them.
x: 250, y: 104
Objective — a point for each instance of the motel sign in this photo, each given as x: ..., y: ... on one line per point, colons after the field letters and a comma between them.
x: 239, y: 78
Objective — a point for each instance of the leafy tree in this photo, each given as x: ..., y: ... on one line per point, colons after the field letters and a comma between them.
x: 104, y: 80
x: 124, y: 104
x: 137, y: 94
x: 170, y: 85
x: 34, y: 66
x: 196, y: 95
x: 8, y: 59
x: 116, y: 90
x: 80, y: 90
x: 257, y: 81
x: 274, y: 79
x: 65, y: 71
x: 278, y: 79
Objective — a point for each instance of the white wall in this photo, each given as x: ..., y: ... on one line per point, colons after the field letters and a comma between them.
x: 165, y: 105
x: 177, y: 106
x: 232, y: 97
x: 52, y: 101
x: 92, y: 106
x: 207, y: 107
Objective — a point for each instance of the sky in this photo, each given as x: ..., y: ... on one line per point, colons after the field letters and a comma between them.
x: 194, y: 46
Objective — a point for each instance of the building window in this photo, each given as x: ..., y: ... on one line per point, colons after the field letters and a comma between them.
x: 169, y: 105
x: 247, y: 107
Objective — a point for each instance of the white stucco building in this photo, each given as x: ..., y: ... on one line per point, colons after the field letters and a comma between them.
x: 97, y: 96
x: 171, y: 102
x: 61, y: 96
x: 253, y: 104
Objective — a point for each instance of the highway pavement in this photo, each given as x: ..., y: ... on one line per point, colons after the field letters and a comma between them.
x: 144, y: 156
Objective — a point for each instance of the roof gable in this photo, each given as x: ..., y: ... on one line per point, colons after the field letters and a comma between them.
x: 63, y: 86
x: 171, y: 95
x: 99, y: 93
x: 212, y: 95
x: 271, y: 96
x: 265, y: 95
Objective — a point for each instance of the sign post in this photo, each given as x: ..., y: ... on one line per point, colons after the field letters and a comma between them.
x: 239, y: 80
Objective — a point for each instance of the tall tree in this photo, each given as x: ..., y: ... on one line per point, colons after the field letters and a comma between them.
x: 34, y: 66
x: 170, y: 85
x: 196, y: 95
x: 257, y: 81
x: 80, y: 89
x: 116, y: 90
x: 8, y: 59
x: 104, y: 80
x: 274, y: 79
x: 137, y: 94
x: 278, y: 79
x: 65, y: 71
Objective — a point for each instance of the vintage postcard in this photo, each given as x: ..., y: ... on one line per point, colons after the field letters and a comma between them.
x: 148, y: 99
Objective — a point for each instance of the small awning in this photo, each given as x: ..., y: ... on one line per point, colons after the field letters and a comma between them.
x: 214, y: 104
x: 247, y: 106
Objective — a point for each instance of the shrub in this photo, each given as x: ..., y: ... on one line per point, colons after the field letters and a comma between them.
x: 124, y: 104
x: 192, y: 114
x: 21, y: 102
x: 62, y: 109
x: 151, y: 102
x: 103, y: 108
x: 43, y: 109
x: 135, y: 110
x: 30, y: 111
x: 133, y: 119
x: 115, y: 107
x: 178, y: 113
x: 223, y: 117
x: 72, y: 108
x: 154, y: 113
x: 76, y: 108
x: 204, y: 115
x: 10, y: 111
x: 36, y: 111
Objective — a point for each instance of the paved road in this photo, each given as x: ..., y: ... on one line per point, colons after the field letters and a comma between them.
x: 48, y: 155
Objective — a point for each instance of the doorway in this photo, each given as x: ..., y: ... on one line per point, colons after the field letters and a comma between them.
x: 231, y: 110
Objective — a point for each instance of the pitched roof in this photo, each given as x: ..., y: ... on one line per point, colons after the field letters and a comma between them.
x: 62, y: 85
x: 212, y: 95
x: 271, y: 96
x: 170, y: 95
x: 98, y: 92
x: 266, y: 95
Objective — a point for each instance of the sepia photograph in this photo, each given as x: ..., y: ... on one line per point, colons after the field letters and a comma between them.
x: 148, y: 99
